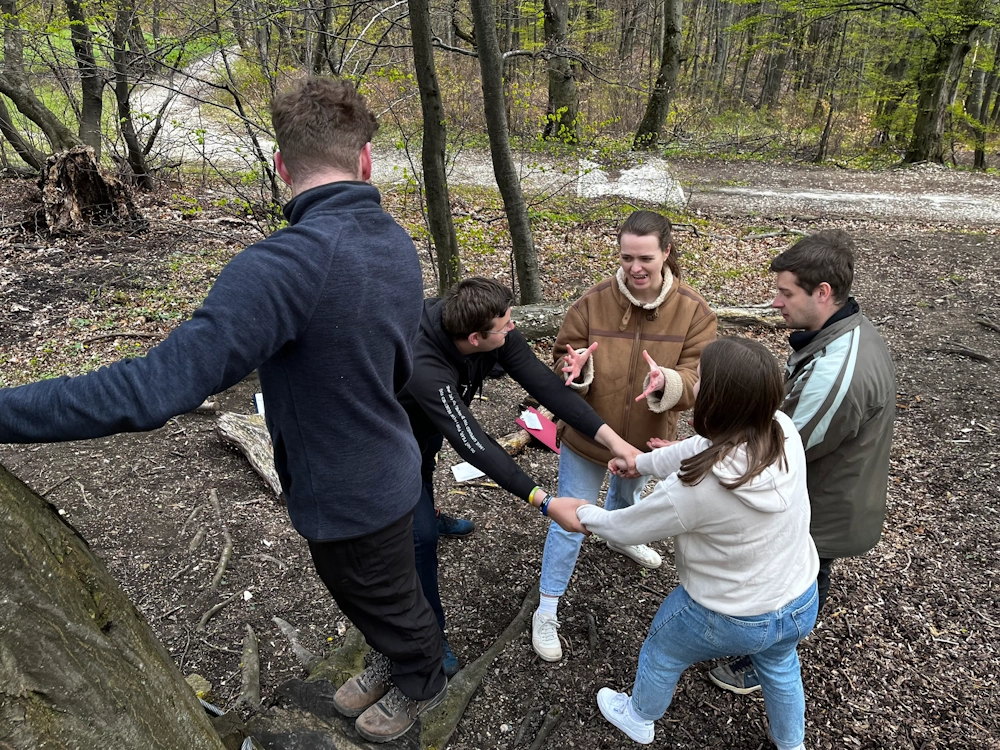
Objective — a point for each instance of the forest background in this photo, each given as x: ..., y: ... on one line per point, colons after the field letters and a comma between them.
x: 861, y: 82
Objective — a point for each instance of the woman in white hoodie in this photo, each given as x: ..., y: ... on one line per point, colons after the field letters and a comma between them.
x: 734, y: 498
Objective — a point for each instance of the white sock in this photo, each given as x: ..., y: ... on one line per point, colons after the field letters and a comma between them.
x: 630, y: 709
x: 548, y: 605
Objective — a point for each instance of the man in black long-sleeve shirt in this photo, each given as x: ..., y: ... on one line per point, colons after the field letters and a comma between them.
x: 326, y: 309
x: 462, y: 336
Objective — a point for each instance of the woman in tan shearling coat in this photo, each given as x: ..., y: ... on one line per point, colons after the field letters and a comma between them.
x: 630, y: 346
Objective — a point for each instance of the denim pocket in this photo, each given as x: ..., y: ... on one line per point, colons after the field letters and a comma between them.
x: 739, y: 635
x: 804, y: 616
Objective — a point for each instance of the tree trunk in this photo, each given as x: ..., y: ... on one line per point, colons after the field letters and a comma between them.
x: 891, y: 98
x: 434, y: 148
x: 135, y: 155
x: 721, y: 50
x: 77, y: 194
x: 91, y: 79
x: 21, y: 146
x: 658, y: 106
x: 491, y: 66
x: 977, y: 105
x: 563, y: 115
x: 927, y: 142
x: 14, y: 86
x: 78, y: 664
x: 774, y: 66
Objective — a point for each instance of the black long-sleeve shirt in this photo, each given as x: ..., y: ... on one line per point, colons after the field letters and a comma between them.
x: 443, y: 384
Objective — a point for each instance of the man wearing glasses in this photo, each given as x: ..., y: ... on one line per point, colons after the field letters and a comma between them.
x: 462, y: 336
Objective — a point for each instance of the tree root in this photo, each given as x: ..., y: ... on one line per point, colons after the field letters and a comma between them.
x: 250, y: 666
x: 215, y: 610
x: 227, y: 553
x: 548, y: 724
x: 439, y: 724
x: 344, y: 663
x: 306, y: 657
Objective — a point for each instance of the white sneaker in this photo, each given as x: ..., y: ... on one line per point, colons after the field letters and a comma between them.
x: 614, y: 706
x: 544, y: 638
x: 645, y: 556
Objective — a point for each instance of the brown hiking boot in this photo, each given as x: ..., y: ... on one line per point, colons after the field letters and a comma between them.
x: 392, y: 716
x: 364, y: 689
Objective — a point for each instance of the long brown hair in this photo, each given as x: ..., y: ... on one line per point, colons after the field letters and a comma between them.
x: 741, y: 389
x: 646, y: 223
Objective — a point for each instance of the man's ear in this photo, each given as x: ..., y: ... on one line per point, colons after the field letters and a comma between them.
x: 823, y: 292
x: 365, y: 163
x: 281, y: 169
x: 474, y: 339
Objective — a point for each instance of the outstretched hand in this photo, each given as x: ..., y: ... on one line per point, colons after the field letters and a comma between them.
x: 655, y: 443
x: 656, y: 379
x: 562, y: 510
x: 573, y: 363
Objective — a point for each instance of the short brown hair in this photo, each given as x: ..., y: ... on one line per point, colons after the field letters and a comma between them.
x: 321, y: 122
x: 741, y: 389
x: 471, y: 305
x: 646, y: 223
x: 825, y: 256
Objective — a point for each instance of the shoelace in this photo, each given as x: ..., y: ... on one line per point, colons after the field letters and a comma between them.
x: 743, y: 664
x: 547, y: 629
x: 378, y: 670
x: 395, y: 701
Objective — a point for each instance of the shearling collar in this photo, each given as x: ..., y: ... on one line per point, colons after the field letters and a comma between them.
x: 668, y: 282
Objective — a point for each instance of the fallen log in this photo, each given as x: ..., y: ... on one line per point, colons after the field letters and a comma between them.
x: 542, y: 320
x: 248, y: 432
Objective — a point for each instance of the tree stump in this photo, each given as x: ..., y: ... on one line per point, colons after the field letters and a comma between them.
x: 77, y: 194
x: 79, y: 666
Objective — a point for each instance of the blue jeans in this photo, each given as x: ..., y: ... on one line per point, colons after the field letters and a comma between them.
x: 684, y: 632
x: 582, y: 478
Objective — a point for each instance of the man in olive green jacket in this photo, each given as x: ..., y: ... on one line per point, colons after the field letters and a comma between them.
x: 841, y: 393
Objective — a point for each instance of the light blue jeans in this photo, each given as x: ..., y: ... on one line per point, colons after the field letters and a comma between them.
x: 684, y: 633
x: 579, y: 477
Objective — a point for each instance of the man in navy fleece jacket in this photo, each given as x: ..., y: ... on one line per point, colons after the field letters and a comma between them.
x: 326, y: 310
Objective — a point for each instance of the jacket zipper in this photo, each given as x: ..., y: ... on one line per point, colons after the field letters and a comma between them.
x: 631, y: 375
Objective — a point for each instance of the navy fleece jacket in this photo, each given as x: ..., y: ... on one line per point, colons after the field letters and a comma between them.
x: 327, y: 310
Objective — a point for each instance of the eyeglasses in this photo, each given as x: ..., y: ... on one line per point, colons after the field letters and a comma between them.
x: 506, y: 329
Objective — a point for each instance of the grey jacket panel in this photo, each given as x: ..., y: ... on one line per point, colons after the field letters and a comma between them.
x: 841, y: 393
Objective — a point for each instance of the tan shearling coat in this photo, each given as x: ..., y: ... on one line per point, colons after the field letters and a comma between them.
x: 674, y: 333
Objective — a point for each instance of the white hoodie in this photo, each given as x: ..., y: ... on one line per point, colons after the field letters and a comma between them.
x: 738, y: 552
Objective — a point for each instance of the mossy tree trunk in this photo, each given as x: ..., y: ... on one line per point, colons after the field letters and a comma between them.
x: 79, y: 666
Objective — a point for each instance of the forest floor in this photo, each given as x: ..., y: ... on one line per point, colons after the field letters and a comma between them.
x: 905, y: 654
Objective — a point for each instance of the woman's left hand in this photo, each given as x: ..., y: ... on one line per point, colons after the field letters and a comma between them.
x: 656, y: 379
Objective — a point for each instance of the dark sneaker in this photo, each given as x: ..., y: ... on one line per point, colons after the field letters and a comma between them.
x: 364, y: 689
x: 393, y: 716
x: 450, y: 660
x: 736, y: 676
x: 448, y: 526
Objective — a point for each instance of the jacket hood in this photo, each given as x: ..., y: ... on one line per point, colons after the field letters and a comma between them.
x: 771, y: 491
x: 430, y: 326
